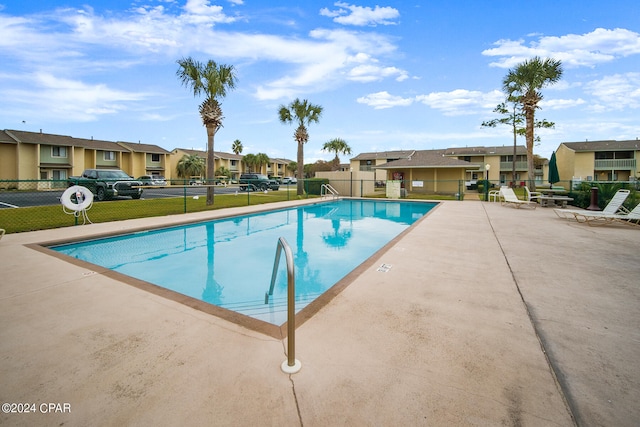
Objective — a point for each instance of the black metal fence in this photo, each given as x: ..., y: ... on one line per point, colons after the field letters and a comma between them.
x: 27, y: 205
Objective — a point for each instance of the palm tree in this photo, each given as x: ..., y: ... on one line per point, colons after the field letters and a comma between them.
x: 249, y: 161
x: 236, y: 147
x: 292, y: 167
x: 303, y: 113
x: 525, y: 83
x: 261, y: 160
x: 337, y: 145
x: 514, y: 118
x: 190, y: 165
x: 223, y: 172
x: 212, y: 80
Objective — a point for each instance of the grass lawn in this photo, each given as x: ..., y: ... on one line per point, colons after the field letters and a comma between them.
x: 52, y: 216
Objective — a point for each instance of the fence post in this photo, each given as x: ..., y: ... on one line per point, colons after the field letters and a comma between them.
x: 184, y: 197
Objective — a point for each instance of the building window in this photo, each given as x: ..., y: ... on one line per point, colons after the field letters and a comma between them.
x: 58, y: 151
x: 59, y: 175
x: 109, y: 156
x: 155, y: 158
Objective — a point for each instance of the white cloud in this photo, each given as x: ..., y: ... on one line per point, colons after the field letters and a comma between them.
x: 381, y: 100
x: 371, y: 73
x: 347, y: 14
x: 574, y: 50
x: 616, y: 92
x: 559, y: 104
x: 461, y: 101
x: 201, y: 11
x: 326, y: 58
x: 72, y: 100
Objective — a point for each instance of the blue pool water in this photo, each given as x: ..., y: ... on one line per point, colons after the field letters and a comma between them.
x: 228, y: 262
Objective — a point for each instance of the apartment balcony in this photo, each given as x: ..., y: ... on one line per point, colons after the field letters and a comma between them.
x: 615, y: 164
x: 366, y: 168
x: 507, y: 166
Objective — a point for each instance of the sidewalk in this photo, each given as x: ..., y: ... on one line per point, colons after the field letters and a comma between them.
x: 489, y: 315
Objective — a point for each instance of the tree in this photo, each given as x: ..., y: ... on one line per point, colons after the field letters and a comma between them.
x: 524, y: 82
x: 292, y: 167
x: 337, y: 145
x: 319, y: 166
x: 250, y: 161
x: 222, y: 171
x: 190, y: 165
x: 236, y: 147
x: 303, y: 113
x: 212, y: 80
x: 261, y: 160
x: 515, y: 118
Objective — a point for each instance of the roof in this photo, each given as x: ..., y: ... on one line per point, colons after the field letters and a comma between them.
x: 202, y: 153
x: 426, y: 159
x: 225, y: 155
x: 41, y: 138
x: 503, y: 150
x: 143, y: 148
x: 385, y: 155
x: 6, y: 138
x: 609, y: 145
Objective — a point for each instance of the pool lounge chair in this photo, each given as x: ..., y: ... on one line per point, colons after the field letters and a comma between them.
x: 613, y: 207
x: 601, y: 218
x: 510, y: 198
x: 532, y: 196
x: 495, y: 195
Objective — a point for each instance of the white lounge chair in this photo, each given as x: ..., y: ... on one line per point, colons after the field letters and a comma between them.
x: 495, y: 195
x: 600, y: 218
x: 508, y: 197
x: 532, y: 196
x: 613, y: 207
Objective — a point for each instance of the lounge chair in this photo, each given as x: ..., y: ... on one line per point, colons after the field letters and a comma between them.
x: 495, y: 195
x: 613, y: 207
x: 1, y: 232
x: 599, y: 218
x: 532, y: 196
x: 508, y: 197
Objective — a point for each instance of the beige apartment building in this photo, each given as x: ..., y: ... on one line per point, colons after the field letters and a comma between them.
x: 599, y: 160
x: 42, y: 156
x: 37, y: 156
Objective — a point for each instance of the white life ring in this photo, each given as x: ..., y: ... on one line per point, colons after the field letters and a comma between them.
x: 84, y: 198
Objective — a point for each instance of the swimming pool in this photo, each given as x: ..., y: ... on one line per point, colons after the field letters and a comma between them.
x: 228, y: 262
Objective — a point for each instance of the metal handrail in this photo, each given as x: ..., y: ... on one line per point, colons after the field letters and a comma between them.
x: 328, y: 189
x: 291, y: 365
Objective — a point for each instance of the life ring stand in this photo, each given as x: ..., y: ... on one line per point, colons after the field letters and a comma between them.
x: 84, y: 201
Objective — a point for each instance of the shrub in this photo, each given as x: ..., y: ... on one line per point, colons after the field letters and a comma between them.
x: 314, y: 185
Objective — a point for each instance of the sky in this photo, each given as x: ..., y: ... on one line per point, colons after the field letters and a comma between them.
x: 389, y: 75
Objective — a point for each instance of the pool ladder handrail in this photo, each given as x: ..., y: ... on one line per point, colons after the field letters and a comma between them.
x: 327, y: 189
x: 291, y: 365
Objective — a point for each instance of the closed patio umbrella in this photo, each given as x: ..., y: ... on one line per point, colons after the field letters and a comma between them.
x: 554, y: 176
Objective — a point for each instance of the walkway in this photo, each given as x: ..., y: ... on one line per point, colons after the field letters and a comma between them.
x: 489, y: 315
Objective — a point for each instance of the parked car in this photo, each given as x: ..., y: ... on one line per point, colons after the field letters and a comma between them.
x: 108, y: 183
x: 156, y: 181
x: 253, y: 181
x: 289, y: 180
x: 195, y: 180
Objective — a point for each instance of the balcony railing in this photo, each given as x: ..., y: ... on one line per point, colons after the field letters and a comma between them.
x: 615, y: 164
x: 507, y: 166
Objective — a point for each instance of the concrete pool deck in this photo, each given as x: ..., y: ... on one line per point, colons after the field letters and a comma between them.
x: 489, y: 315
